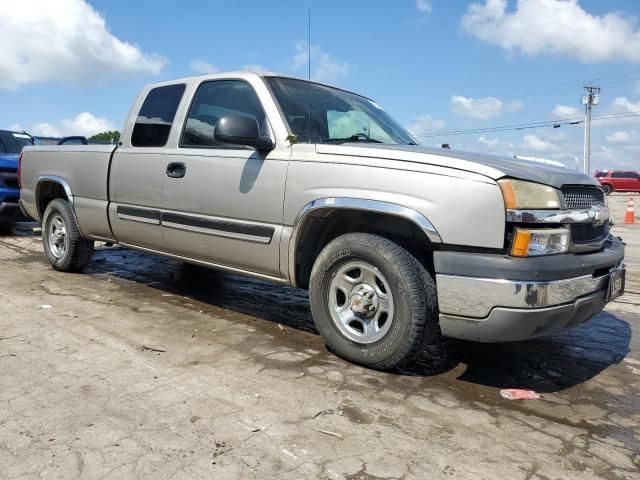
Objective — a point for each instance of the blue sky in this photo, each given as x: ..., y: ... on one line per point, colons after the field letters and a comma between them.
x: 437, y: 66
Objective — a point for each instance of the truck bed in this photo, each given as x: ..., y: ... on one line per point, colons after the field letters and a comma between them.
x: 84, y: 169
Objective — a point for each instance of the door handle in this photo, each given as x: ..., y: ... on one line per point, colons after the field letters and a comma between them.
x: 176, y: 170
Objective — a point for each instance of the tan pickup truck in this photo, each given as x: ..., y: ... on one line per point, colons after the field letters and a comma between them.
x: 312, y: 186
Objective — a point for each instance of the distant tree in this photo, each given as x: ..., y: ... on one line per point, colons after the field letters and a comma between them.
x: 107, y: 136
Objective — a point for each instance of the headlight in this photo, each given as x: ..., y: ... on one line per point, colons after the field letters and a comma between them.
x: 519, y: 194
x: 544, y: 241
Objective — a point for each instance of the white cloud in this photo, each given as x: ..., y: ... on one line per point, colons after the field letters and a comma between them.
x: 201, y: 67
x: 423, y: 6
x: 324, y: 68
x: 494, y: 146
x: 624, y: 105
x: 66, y: 41
x: 84, y: 123
x: 563, y: 28
x: 482, y: 108
x: 45, y: 130
x: 537, y: 144
x: 622, y: 136
x: 565, y: 111
x: 628, y: 110
x: 605, y: 157
x: 489, y: 142
x: 425, y: 123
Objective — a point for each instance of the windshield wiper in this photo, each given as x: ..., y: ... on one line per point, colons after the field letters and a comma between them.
x: 358, y: 137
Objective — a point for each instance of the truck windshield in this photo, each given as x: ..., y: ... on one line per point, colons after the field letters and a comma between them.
x: 13, y: 142
x: 321, y: 114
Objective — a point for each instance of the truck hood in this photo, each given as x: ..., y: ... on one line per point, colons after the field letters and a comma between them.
x: 488, y: 165
x: 9, y: 161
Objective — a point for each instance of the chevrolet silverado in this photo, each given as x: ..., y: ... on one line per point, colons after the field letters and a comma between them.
x: 312, y: 186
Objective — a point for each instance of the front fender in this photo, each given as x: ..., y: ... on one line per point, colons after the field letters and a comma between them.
x: 359, y: 204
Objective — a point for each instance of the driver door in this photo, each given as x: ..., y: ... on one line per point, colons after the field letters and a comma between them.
x: 226, y: 207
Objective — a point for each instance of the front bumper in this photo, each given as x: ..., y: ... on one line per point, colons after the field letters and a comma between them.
x: 495, y: 298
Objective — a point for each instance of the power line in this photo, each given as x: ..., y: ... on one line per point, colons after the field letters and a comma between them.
x: 525, y: 126
x: 614, y: 116
x: 549, y: 88
x: 515, y: 126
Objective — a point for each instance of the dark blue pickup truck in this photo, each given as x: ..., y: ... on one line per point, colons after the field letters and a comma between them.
x: 11, y: 144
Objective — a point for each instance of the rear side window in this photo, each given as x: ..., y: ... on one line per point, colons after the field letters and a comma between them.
x: 156, y: 116
x: 217, y: 99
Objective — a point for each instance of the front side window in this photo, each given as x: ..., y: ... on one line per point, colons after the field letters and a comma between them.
x: 320, y: 114
x: 601, y: 174
x: 156, y: 116
x: 619, y: 175
x: 216, y: 99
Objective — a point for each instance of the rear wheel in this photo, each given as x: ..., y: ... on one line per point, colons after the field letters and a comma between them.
x: 607, y: 189
x: 64, y: 246
x: 372, y: 301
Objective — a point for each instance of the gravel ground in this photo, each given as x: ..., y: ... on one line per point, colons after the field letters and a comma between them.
x: 145, y: 368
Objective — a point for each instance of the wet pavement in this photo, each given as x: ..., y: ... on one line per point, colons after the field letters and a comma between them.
x: 146, y: 368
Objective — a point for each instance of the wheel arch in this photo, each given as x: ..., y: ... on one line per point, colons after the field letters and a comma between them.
x: 324, y: 219
x: 608, y: 184
x: 50, y: 187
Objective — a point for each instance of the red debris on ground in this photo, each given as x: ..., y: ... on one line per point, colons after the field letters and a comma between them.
x: 518, y: 394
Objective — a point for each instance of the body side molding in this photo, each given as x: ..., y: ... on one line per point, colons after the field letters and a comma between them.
x: 138, y: 214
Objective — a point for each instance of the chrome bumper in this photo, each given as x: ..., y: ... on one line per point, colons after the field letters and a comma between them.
x: 476, y: 297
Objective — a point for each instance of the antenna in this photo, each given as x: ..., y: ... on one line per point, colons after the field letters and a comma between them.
x: 309, y: 73
x: 309, y: 45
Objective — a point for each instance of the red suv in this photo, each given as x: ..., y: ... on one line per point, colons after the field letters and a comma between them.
x: 618, y: 181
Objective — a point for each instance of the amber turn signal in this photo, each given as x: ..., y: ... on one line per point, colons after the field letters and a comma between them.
x: 520, y: 246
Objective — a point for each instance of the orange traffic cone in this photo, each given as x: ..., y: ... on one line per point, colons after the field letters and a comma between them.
x: 630, y: 216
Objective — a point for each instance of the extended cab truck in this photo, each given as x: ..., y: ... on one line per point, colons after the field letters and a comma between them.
x: 308, y: 185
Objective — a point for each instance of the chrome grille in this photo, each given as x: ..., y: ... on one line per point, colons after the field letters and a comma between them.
x: 582, y: 196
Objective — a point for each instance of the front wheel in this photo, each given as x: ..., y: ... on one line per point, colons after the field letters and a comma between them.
x: 607, y: 189
x: 372, y: 301
x: 64, y: 246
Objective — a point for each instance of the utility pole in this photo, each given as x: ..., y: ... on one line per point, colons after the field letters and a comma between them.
x: 591, y: 97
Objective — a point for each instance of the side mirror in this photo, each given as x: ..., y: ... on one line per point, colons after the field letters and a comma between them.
x: 241, y: 131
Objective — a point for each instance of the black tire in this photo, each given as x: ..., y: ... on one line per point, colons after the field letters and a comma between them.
x: 77, y: 251
x: 607, y: 189
x: 414, y: 323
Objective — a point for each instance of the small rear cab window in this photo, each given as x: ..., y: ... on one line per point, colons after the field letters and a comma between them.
x: 156, y: 116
